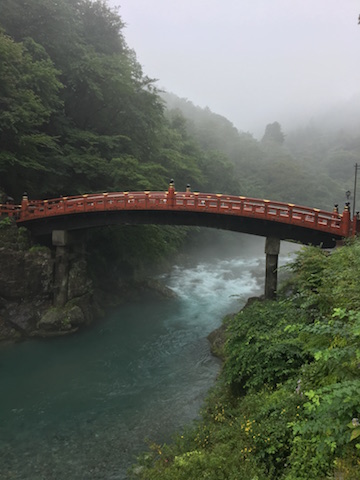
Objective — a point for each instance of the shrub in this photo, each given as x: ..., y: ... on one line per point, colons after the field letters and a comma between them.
x: 259, y: 351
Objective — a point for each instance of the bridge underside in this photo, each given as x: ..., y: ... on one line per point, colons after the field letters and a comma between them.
x: 253, y: 226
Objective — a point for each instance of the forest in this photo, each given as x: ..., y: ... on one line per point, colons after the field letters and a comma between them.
x: 79, y: 115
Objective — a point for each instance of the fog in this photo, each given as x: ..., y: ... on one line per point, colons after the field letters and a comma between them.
x: 253, y: 61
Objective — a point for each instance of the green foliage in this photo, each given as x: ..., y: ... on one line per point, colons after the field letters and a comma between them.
x: 62, y: 136
x: 323, y: 433
x: 180, y: 155
x: 296, y: 415
x: 328, y: 281
x: 29, y: 88
x: 253, y: 359
x: 5, y: 223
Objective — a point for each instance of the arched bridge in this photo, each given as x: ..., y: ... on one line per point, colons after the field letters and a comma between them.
x: 274, y: 220
x: 284, y: 221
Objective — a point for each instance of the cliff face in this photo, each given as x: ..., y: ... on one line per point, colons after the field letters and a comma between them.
x: 27, y: 289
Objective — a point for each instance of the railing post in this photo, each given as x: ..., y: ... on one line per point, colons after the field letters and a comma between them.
x: 63, y: 204
x: 272, y: 249
x: 218, y: 205
x: 242, y: 204
x: 105, y: 197
x: 171, y: 194
x: 335, y: 215
x: 266, y: 205
x: 290, y: 211
x: 346, y: 222
x: 196, y: 199
x: 316, y: 216
x: 355, y: 222
x: 147, y: 193
x: 24, y: 205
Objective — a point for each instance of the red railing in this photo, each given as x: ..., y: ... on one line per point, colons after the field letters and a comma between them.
x: 330, y: 222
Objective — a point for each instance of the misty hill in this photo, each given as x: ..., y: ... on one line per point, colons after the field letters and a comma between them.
x: 311, y: 165
x: 330, y: 144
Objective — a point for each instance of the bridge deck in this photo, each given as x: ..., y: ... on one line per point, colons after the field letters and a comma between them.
x: 330, y: 223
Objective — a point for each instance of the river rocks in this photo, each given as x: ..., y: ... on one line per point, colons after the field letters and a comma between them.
x: 67, y: 319
x: 217, y: 339
x: 79, y: 283
x: 25, y: 273
x: 7, y: 332
x: 60, y: 320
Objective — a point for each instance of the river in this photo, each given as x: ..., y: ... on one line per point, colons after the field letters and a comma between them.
x: 82, y: 407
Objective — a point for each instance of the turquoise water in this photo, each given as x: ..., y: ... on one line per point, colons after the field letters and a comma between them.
x: 82, y: 407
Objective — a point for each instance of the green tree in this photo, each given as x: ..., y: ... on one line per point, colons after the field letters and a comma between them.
x: 110, y: 109
x: 273, y: 133
x: 29, y: 89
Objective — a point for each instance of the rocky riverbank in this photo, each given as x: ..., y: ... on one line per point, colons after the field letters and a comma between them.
x: 27, y: 289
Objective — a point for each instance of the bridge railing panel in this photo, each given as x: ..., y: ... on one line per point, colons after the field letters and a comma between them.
x: 10, y: 210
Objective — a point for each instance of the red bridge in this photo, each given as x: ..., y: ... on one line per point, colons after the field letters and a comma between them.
x: 284, y: 221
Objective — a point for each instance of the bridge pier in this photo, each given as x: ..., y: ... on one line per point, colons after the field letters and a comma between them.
x: 272, y: 249
x: 60, y: 240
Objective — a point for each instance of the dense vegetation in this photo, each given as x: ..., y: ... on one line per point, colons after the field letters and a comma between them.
x: 286, y: 405
x: 78, y: 115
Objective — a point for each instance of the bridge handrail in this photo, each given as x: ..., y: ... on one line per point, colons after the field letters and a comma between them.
x: 331, y: 222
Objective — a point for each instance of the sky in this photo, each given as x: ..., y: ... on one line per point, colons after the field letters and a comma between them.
x: 252, y: 61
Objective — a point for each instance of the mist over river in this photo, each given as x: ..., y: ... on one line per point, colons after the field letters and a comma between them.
x: 81, y: 407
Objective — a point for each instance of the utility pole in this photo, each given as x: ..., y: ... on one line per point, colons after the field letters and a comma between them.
x: 354, y: 203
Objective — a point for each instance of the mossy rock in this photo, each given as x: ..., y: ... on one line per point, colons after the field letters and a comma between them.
x: 59, y: 319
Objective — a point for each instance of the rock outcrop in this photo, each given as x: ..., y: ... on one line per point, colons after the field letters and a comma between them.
x: 27, y: 289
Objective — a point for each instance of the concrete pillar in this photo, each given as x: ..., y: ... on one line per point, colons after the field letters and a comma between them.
x: 272, y: 249
x: 60, y: 238
x: 61, y: 270
x: 61, y: 276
